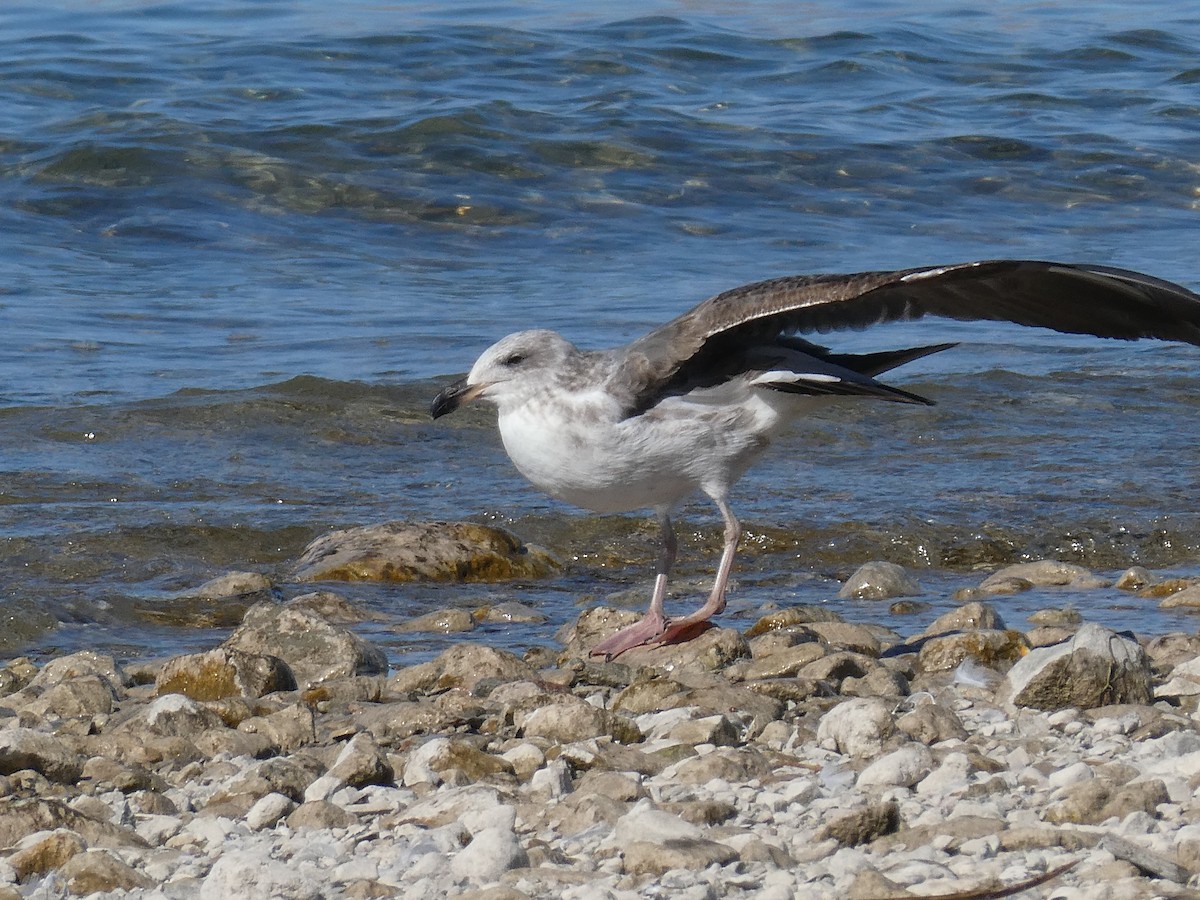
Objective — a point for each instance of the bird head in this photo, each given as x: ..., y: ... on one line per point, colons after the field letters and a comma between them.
x: 509, y: 372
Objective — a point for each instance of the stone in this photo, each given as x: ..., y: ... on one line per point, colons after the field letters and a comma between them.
x: 643, y: 822
x: 362, y: 762
x: 224, y: 672
x: 1092, y: 801
x: 900, y: 768
x: 857, y: 727
x: 967, y: 617
x: 314, y: 649
x: 319, y: 814
x: 848, y: 636
x: 24, y: 748
x: 285, y: 730
x: 1043, y: 573
x: 20, y: 817
x: 330, y: 606
x: 508, y: 612
x: 1135, y: 578
x: 440, y: 621
x: 863, y: 825
x: 491, y: 852
x: 429, y: 762
x: 278, y: 775
x: 784, y: 663
x: 726, y: 763
x: 80, y: 696
x: 93, y: 871
x: 690, y: 854
x: 878, y: 580
x: 268, y: 810
x: 462, y: 666
x: 422, y: 551
x: 568, y: 719
x: 932, y: 724
x: 174, y: 715
x: 1188, y: 598
x: 43, y: 852
x: 1096, y: 667
x: 790, y: 617
x: 248, y: 875
x: 233, y: 584
x: 990, y: 647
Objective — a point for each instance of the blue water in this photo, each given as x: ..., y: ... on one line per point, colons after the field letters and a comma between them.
x: 242, y: 242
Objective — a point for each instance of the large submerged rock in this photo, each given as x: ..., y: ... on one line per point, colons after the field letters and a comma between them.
x: 422, y: 551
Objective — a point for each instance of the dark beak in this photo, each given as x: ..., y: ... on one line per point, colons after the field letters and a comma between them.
x: 453, y: 397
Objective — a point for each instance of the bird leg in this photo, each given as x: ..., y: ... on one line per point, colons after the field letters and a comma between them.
x: 716, y: 600
x: 654, y: 623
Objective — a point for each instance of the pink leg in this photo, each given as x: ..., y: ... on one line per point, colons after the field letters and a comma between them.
x: 716, y: 600
x: 654, y: 623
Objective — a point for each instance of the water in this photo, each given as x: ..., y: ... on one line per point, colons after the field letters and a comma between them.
x: 243, y: 243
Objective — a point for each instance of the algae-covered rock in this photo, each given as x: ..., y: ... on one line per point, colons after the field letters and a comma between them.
x: 224, y: 672
x: 422, y: 551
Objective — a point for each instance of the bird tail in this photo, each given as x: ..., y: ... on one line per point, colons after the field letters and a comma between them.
x: 872, y: 364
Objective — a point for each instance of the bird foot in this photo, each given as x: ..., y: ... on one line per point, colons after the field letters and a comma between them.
x: 650, y: 632
x: 645, y: 631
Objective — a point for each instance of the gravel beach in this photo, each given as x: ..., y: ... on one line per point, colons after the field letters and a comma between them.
x: 806, y: 757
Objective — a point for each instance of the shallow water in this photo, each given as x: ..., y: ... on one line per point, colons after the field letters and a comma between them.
x: 244, y: 244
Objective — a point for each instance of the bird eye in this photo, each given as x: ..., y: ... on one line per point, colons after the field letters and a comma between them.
x: 513, y: 359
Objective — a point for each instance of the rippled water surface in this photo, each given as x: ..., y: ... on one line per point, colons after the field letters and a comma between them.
x: 244, y: 243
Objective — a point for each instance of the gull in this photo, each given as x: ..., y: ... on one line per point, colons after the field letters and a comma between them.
x: 689, y: 407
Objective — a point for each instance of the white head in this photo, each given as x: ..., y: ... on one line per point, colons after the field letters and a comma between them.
x: 509, y: 372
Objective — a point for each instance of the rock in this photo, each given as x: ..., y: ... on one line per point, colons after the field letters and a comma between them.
x: 568, y: 719
x: 1092, y: 801
x: 900, y: 768
x: 716, y: 730
x: 727, y: 763
x: 863, y: 825
x: 1043, y: 573
x: 224, y: 672
x: 330, y: 606
x: 848, y: 636
x: 509, y: 612
x: 967, y: 617
x: 268, y: 810
x: 429, y: 762
x: 23, y: 748
x: 690, y: 854
x: 319, y: 814
x: 1188, y: 598
x: 931, y: 724
x: 441, y: 621
x: 428, y: 551
x: 234, y: 584
x: 76, y: 665
x: 362, y: 762
x: 173, y: 715
x: 81, y: 696
x: 1066, y: 617
x: 646, y: 823
x: 781, y: 664
x: 1094, y: 668
x: 285, y: 730
x: 1167, y: 587
x: 248, y: 875
x: 492, y: 852
x: 99, y: 870
x: 879, y: 581
x: 270, y: 776
x: 790, y: 617
x: 1135, y: 578
x: 313, y: 648
x: 856, y: 727
x: 992, y: 648
x: 462, y: 666
x: 43, y: 852
x: 22, y: 817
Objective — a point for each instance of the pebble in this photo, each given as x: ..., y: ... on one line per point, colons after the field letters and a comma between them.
x: 813, y: 759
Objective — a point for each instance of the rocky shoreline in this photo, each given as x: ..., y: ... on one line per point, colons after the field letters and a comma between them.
x: 805, y: 758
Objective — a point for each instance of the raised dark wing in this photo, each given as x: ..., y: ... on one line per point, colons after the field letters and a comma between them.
x: 1079, y: 299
